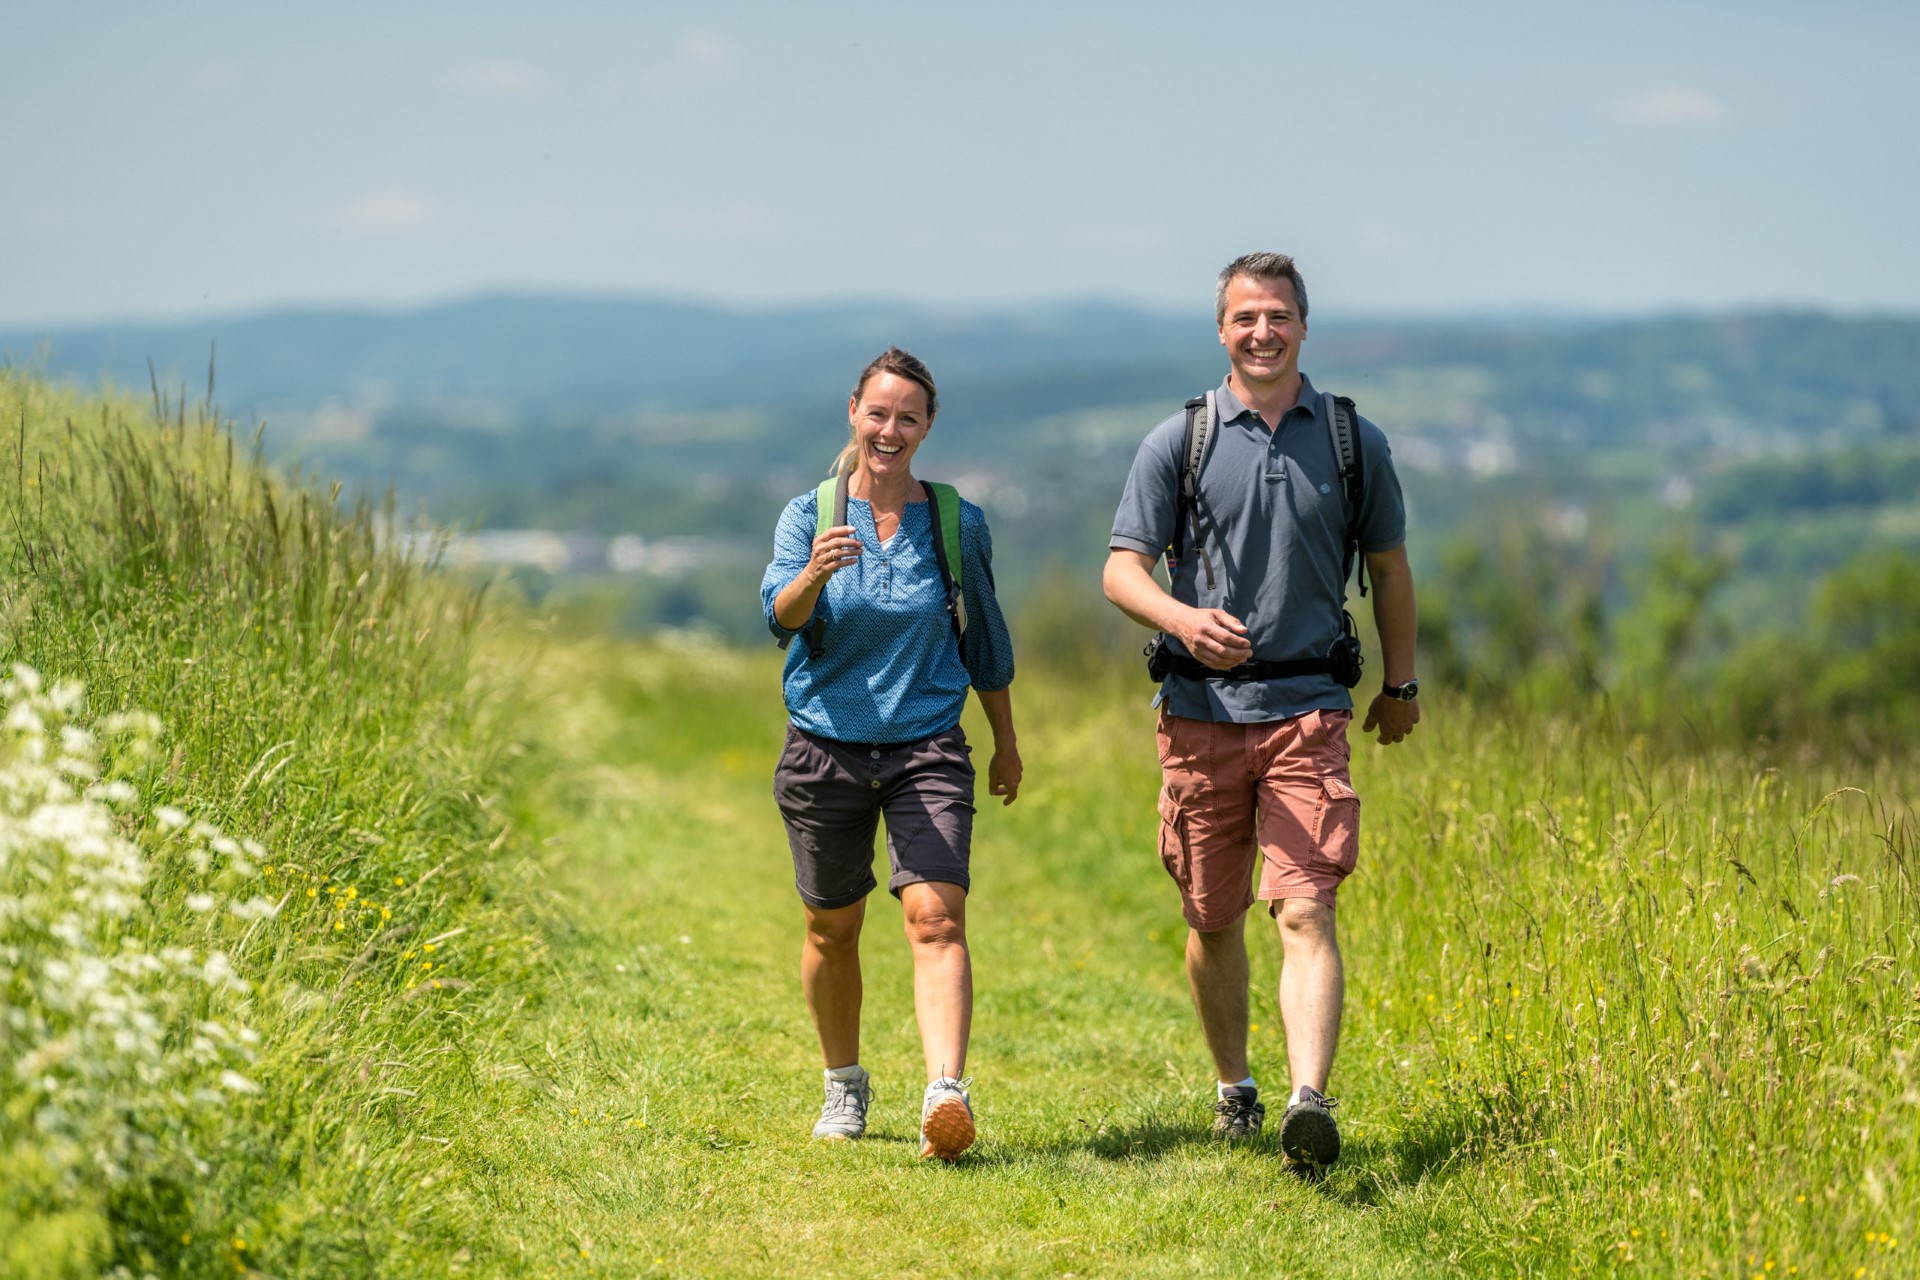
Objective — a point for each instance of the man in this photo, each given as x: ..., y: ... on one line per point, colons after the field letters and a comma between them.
x: 1254, y: 761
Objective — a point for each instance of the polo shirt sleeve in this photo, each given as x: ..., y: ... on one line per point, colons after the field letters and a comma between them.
x: 986, y: 650
x: 792, y: 548
x: 1148, y: 504
x: 1383, y: 511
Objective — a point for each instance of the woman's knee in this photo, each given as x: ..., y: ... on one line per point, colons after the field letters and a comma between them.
x: 935, y: 915
x: 837, y: 929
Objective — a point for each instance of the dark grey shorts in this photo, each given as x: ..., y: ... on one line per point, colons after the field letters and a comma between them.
x: 833, y: 793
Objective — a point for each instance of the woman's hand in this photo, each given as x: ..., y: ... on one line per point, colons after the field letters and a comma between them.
x: 1003, y: 774
x: 833, y: 551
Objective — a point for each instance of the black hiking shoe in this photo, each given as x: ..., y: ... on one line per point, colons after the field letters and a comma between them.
x: 1308, y: 1134
x: 1238, y: 1116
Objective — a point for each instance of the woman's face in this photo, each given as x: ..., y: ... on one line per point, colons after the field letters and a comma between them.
x: 889, y: 419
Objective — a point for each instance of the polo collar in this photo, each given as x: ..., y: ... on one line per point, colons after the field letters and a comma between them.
x: 1229, y: 406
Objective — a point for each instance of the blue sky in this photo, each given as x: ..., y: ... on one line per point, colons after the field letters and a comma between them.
x: 169, y: 160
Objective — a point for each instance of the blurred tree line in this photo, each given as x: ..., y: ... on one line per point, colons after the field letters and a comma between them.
x: 1513, y: 615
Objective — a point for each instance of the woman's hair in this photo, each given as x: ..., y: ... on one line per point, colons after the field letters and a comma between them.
x: 895, y: 361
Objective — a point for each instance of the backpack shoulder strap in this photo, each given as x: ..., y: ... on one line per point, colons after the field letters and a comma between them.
x: 1343, y: 427
x: 829, y: 494
x: 1202, y: 417
x: 943, y: 506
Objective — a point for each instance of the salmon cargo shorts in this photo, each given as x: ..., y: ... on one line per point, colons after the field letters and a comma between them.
x: 1278, y: 791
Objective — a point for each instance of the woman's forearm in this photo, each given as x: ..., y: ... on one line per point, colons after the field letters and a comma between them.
x: 998, y: 704
x: 794, y: 603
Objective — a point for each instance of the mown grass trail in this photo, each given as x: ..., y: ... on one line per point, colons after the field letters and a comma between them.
x: 1610, y: 1011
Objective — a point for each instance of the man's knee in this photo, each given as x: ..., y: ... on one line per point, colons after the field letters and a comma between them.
x: 1304, y: 920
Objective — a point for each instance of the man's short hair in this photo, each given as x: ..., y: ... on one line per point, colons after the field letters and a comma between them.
x: 1261, y: 266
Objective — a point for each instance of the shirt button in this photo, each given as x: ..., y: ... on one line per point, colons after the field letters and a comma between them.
x: 875, y: 753
x: 876, y: 784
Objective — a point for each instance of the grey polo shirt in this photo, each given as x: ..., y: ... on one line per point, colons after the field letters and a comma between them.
x: 1274, y: 522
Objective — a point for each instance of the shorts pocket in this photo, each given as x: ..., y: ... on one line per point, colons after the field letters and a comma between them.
x: 1176, y: 852
x: 1336, y: 835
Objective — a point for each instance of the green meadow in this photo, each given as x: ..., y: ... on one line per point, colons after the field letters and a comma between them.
x: 507, y: 952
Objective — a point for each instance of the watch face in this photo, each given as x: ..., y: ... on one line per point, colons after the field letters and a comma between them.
x: 1406, y: 692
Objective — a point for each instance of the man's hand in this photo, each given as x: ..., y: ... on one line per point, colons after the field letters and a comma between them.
x: 1215, y: 637
x: 1394, y: 718
x: 1003, y: 775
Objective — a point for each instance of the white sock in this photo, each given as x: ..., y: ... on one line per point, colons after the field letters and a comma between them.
x: 1221, y: 1086
x: 844, y: 1074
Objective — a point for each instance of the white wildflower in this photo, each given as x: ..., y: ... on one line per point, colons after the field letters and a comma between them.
x: 234, y: 1082
x: 169, y: 818
x: 199, y: 902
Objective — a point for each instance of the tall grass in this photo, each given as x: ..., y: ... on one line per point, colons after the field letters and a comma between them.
x: 325, y: 701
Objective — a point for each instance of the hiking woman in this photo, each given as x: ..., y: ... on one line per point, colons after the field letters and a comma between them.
x: 880, y: 652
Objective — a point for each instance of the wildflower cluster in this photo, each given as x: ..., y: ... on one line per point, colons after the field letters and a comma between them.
x: 108, y: 1043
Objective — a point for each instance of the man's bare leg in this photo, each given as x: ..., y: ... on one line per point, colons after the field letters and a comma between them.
x: 1313, y: 986
x: 1217, y: 974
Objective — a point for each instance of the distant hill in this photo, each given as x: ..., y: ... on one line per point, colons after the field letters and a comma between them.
x: 552, y: 358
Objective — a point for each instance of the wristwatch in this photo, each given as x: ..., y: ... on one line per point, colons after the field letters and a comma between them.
x: 1404, y: 692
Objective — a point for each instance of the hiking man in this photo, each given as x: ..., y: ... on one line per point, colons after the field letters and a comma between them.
x: 1257, y: 656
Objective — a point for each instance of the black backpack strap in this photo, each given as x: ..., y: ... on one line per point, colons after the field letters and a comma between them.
x: 1202, y: 418
x: 956, y: 607
x: 1343, y: 427
x: 816, y: 631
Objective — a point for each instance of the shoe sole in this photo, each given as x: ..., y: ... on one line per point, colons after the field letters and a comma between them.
x: 836, y: 1137
x: 1310, y: 1137
x: 946, y: 1131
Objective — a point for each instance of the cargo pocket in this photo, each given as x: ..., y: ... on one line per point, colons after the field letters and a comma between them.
x: 1337, y: 824
x: 1175, y: 853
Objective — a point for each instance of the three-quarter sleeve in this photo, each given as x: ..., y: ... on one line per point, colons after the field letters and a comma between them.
x: 792, y: 548
x: 986, y: 650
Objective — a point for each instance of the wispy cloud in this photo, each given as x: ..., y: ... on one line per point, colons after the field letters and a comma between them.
x: 1670, y: 105
x: 1116, y: 237
x: 390, y: 211
x: 1378, y: 236
x: 723, y: 218
x: 497, y: 79
x: 699, y: 59
x: 214, y: 80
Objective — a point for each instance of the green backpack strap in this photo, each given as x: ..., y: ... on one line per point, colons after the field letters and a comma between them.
x: 943, y: 501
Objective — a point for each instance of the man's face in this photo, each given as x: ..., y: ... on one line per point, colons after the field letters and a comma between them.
x: 1262, y: 330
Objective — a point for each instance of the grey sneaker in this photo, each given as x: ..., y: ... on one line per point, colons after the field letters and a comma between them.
x: 844, y: 1116
x: 946, y: 1119
x: 1307, y: 1132
x: 1239, y: 1115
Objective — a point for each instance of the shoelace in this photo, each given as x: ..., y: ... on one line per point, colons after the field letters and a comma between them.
x: 945, y: 1083
x: 843, y: 1100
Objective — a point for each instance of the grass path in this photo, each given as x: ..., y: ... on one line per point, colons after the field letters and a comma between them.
x: 660, y: 1121
x: 1612, y: 1010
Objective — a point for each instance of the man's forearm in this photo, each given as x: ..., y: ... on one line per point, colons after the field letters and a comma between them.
x: 1129, y: 584
x: 1396, y: 618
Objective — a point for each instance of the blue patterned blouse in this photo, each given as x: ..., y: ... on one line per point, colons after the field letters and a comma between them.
x: 892, y: 670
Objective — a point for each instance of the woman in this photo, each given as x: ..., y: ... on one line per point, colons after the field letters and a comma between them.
x: 874, y: 692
